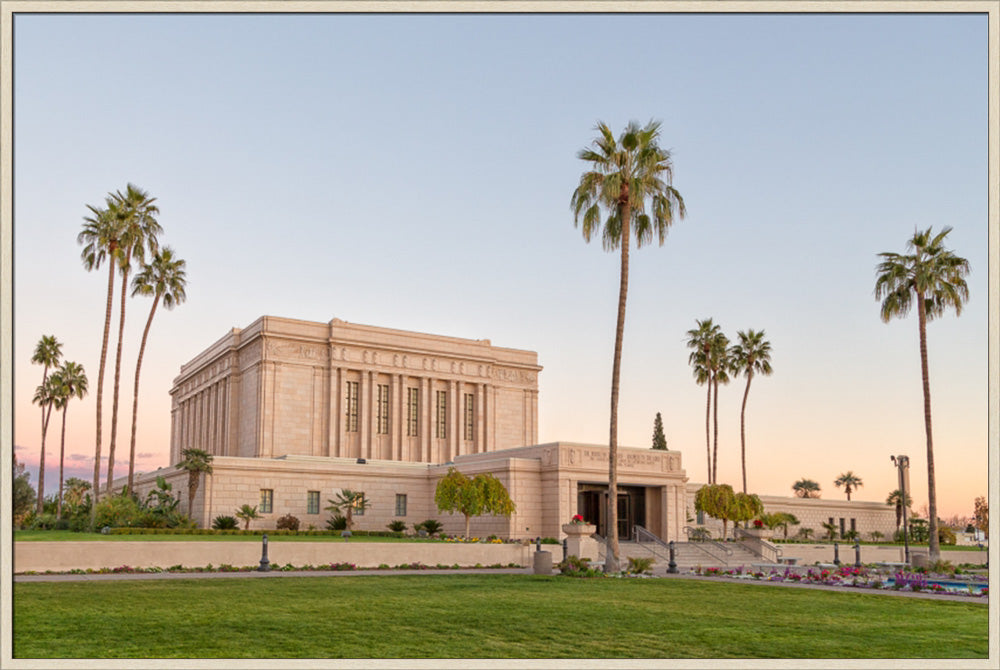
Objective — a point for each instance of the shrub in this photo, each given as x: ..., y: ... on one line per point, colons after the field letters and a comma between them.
x: 118, y: 511
x: 287, y: 522
x: 638, y: 566
x: 946, y: 536
x: 396, y: 525
x: 574, y: 566
x: 225, y: 522
x: 431, y: 526
x: 338, y: 522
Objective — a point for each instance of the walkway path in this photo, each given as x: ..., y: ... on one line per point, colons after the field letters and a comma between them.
x: 124, y: 576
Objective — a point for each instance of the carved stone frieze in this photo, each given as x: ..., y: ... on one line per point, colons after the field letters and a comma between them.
x: 297, y: 351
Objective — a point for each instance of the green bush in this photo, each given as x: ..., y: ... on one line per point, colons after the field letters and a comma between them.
x: 338, y: 522
x: 396, y: 525
x: 639, y: 566
x: 287, y: 522
x: 574, y: 566
x: 946, y: 536
x: 118, y: 512
x: 225, y: 522
x: 431, y: 526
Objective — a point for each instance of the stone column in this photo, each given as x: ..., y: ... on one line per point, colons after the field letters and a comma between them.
x: 397, y: 416
x: 454, y: 435
x: 480, y: 441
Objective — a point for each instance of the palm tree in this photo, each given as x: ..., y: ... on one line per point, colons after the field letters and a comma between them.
x: 625, y: 174
x: 849, y: 481
x: 72, y: 383
x: 896, y: 499
x: 934, y: 278
x: 163, y: 278
x: 196, y: 461
x: 247, y: 513
x: 806, y: 488
x: 47, y: 353
x: 139, y: 229
x: 750, y: 356
x: 347, y: 501
x: 75, y: 491
x: 719, y: 365
x: 830, y: 528
x: 100, y: 240
x: 45, y: 397
x: 700, y: 340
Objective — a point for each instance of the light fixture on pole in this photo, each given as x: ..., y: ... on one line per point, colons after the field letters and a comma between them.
x: 902, y: 464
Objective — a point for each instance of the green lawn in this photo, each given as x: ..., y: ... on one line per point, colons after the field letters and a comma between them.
x: 481, y: 616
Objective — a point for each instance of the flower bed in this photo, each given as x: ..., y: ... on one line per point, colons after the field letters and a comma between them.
x: 857, y: 577
x: 327, y: 567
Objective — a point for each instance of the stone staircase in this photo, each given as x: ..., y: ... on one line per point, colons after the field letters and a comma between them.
x: 688, y: 555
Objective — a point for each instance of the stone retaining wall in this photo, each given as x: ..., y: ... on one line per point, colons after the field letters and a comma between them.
x: 62, y: 556
x: 823, y: 553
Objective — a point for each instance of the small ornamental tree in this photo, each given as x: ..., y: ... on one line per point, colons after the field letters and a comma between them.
x: 347, y: 503
x: 659, y: 439
x: 482, y: 494
x: 982, y: 516
x: 746, y: 506
x: 247, y: 513
x: 716, y: 500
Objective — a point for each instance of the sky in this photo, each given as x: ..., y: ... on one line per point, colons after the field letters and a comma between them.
x: 415, y: 172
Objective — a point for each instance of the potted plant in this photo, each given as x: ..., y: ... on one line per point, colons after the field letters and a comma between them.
x: 577, y: 527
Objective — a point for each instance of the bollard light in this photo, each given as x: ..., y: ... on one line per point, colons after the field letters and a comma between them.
x: 565, y: 549
x: 836, y: 554
x: 672, y: 565
x: 538, y: 543
x: 857, y: 553
x: 265, y: 565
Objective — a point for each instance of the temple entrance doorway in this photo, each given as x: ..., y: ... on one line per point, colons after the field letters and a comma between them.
x: 591, y: 504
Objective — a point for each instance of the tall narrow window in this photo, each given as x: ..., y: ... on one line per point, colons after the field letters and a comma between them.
x: 352, y: 407
x: 441, y: 420
x: 382, y: 415
x: 266, y: 501
x: 400, y: 504
x: 468, y: 415
x: 312, y: 502
x: 412, y: 411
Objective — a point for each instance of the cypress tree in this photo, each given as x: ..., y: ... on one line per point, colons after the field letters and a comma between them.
x: 659, y: 440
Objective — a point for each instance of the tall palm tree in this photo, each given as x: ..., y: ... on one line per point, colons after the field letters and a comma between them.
x: 806, y: 488
x: 719, y: 364
x: 850, y: 482
x: 47, y: 353
x: 700, y: 340
x: 196, y: 461
x: 896, y: 499
x: 933, y: 277
x: 750, y: 356
x: 139, y: 229
x: 100, y: 239
x: 163, y: 278
x: 625, y: 173
x: 45, y: 397
x: 72, y: 383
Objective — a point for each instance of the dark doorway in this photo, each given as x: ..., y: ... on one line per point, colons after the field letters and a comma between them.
x: 592, y: 506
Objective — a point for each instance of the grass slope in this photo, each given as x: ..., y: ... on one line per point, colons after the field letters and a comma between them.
x: 481, y: 616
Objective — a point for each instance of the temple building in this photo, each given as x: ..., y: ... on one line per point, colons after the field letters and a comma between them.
x: 295, y: 411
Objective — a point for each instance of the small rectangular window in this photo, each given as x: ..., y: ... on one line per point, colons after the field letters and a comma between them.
x: 358, y: 510
x: 469, y: 424
x: 312, y: 502
x: 854, y: 525
x: 842, y: 526
x: 412, y: 411
x: 352, y: 407
x: 382, y: 414
x: 266, y: 501
x: 441, y: 423
x: 400, y: 504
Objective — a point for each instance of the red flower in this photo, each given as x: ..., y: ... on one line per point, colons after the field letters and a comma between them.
x: 757, y: 523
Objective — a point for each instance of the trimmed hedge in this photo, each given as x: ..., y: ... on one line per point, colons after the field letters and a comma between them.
x: 209, y: 531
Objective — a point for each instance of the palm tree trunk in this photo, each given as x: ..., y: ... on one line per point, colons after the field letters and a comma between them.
x: 708, y: 433
x: 100, y: 385
x: 192, y: 489
x: 715, y: 421
x: 62, y: 457
x: 933, y: 546
x: 41, y: 460
x: 612, y: 561
x: 118, y: 367
x: 743, y: 432
x: 135, y: 393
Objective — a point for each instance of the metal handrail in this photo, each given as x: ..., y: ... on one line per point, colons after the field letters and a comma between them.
x: 756, y: 545
x: 643, y: 535
x: 718, y: 545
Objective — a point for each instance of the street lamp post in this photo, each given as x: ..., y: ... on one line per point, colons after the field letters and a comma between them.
x: 902, y: 463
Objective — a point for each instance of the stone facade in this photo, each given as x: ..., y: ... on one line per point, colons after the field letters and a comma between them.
x: 286, y: 387
x: 295, y: 411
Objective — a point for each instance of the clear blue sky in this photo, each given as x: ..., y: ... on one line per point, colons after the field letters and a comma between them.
x: 415, y: 172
